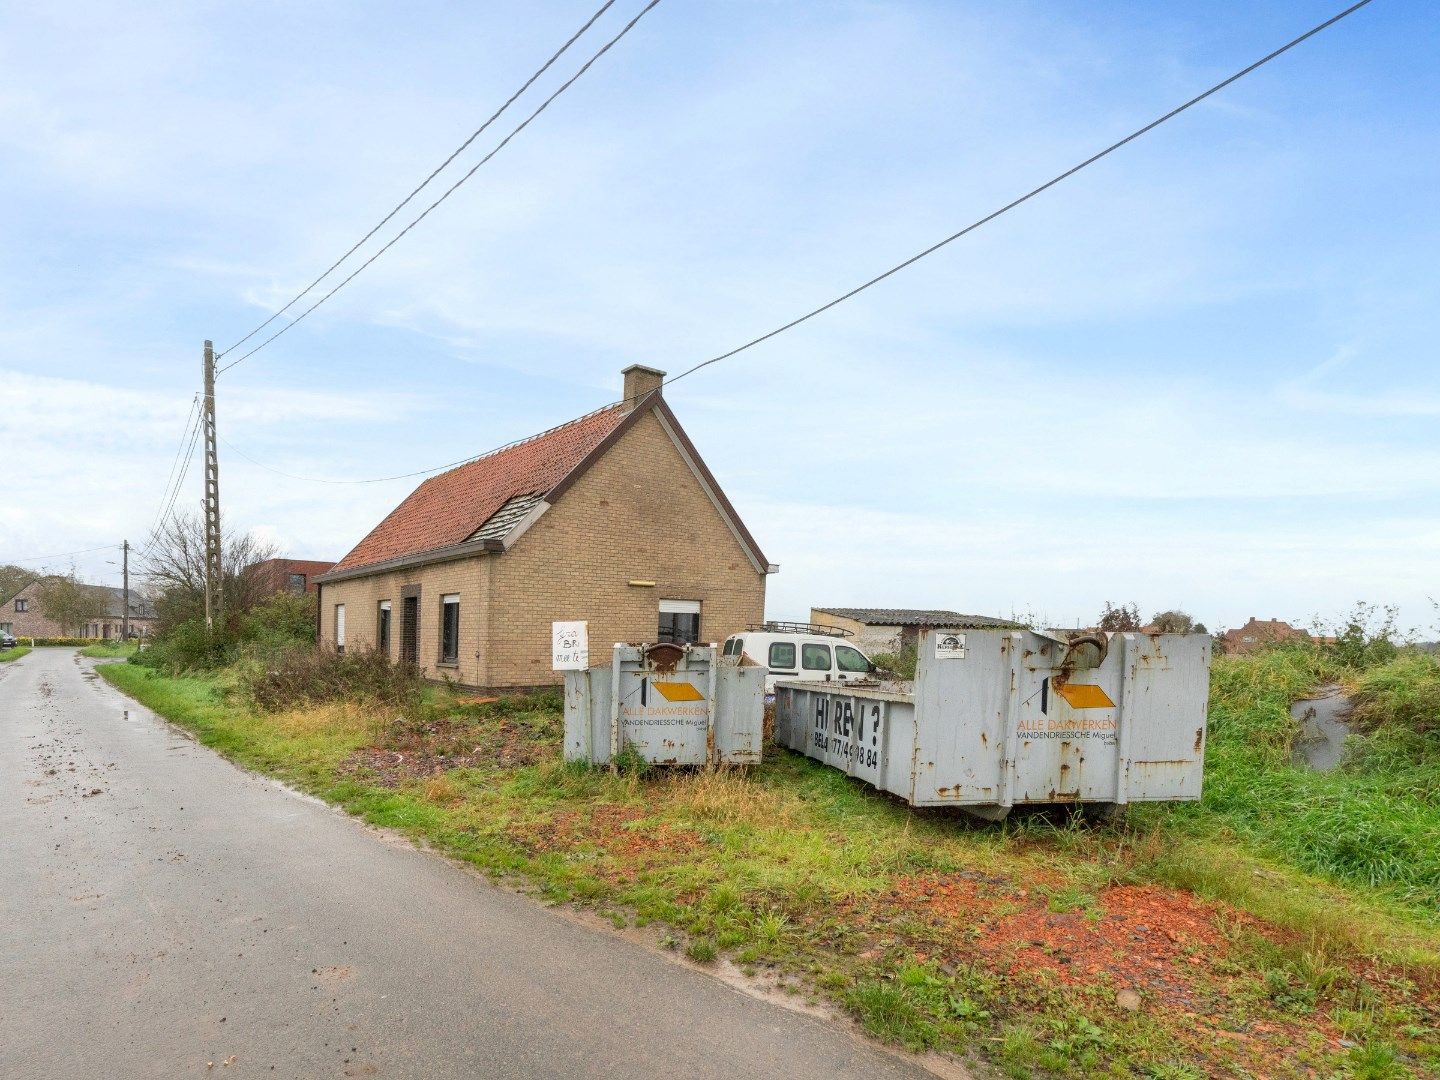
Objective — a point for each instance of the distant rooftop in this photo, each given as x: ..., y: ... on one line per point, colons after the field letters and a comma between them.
x: 932, y: 617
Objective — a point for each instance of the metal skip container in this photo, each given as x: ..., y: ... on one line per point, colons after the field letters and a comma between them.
x: 997, y: 718
x: 670, y: 704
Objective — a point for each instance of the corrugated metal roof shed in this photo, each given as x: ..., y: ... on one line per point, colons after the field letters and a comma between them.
x: 931, y: 617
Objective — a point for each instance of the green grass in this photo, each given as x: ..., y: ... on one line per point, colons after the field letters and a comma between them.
x: 797, y: 868
x: 109, y: 649
x: 13, y: 654
x: 1373, y: 822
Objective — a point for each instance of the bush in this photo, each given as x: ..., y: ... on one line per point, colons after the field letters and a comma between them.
x: 279, y: 620
x: 1402, y: 694
x: 62, y: 641
x: 187, y: 647
x: 901, y: 664
x: 308, y: 675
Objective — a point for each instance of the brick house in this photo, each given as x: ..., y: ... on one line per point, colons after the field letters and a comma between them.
x: 612, y: 518
x: 23, y: 614
x: 288, y: 575
x: 1258, y: 633
x: 883, y: 630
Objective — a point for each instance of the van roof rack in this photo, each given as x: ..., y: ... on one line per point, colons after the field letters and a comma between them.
x: 774, y: 627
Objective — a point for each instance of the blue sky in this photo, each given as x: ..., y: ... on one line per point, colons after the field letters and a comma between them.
x: 1201, y: 373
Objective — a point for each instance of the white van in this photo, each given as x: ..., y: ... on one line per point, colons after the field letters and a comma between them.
x: 800, y: 651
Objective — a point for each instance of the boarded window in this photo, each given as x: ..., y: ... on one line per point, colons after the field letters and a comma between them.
x: 340, y: 628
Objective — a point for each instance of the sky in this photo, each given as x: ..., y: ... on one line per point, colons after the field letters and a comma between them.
x: 1201, y: 374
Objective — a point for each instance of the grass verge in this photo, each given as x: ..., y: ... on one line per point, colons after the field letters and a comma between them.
x: 13, y: 654
x: 109, y: 650
x: 1166, y: 945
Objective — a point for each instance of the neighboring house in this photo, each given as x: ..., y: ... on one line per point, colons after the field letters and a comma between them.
x: 23, y: 614
x: 882, y: 630
x: 1257, y: 633
x: 289, y: 575
x: 612, y: 518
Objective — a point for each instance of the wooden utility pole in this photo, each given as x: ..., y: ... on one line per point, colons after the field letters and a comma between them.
x: 125, y: 600
x: 213, y: 591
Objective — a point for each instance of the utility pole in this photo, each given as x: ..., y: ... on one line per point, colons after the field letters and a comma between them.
x: 125, y: 602
x: 213, y: 590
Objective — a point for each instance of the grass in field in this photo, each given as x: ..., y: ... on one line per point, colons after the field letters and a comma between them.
x: 1003, y: 944
x: 109, y: 649
x: 13, y: 654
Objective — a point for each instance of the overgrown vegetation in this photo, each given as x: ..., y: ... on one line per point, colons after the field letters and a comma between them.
x: 1285, y: 926
x: 292, y: 675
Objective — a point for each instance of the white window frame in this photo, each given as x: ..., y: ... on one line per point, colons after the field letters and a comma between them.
x: 446, y: 599
x: 340, y: 628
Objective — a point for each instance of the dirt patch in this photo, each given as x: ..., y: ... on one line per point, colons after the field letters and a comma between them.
x: 619, y: 831
x: 476, y: 739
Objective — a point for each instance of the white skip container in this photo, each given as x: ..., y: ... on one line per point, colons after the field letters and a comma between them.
x: 998, y: 718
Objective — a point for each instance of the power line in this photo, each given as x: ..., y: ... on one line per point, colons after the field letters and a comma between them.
x: 1028, y: 195
x: 438, y: 169
x: 174, y: 492
x: 894, y: 269
x: 59, y: 555
x: 191, y: 418
x: 417, y: 472
x: 453, y: 188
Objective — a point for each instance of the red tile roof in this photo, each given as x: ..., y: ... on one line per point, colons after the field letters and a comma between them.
x: 447, y: 508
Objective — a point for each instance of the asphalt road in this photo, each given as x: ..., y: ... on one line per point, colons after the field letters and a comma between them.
x: 162, y: 910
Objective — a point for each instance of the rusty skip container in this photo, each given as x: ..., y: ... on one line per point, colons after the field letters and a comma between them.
x: 671, y: 704
x: 997, y: 718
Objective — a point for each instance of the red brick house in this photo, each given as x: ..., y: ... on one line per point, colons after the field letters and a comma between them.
x: 289, y: 575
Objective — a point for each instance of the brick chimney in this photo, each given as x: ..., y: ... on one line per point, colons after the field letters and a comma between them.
x: 639, y: 381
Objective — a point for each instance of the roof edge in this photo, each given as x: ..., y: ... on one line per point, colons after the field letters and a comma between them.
x: 420, y: 558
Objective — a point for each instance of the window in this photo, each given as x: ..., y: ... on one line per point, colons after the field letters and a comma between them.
x: 22, y: 605
x: 848, y: 659
x: 735, y: 646
x: 297, y: 583
x: 815, y: 657
x: 782, y: 655
x: 382, y: 628
x: 680, y: 621
x: 339, y: 628
x: 7, y: 628
x: 450, y: 629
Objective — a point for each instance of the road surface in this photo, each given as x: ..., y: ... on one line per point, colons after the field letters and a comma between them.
x: 167, y: 914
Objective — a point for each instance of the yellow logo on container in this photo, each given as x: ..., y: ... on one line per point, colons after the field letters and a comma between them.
x: 678, y: 691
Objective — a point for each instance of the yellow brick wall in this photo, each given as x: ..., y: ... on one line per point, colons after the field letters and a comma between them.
x: 470, y: 578
x: 639, y: 513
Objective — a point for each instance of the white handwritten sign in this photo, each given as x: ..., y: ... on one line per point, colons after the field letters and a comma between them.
x: 569, y: 646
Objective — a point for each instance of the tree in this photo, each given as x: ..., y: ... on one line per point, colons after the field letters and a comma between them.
x: 1175, y: 622
x: 1124, y: 619
x: 70, y: 603
x: 174, y: 568
x: 13, y: 579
